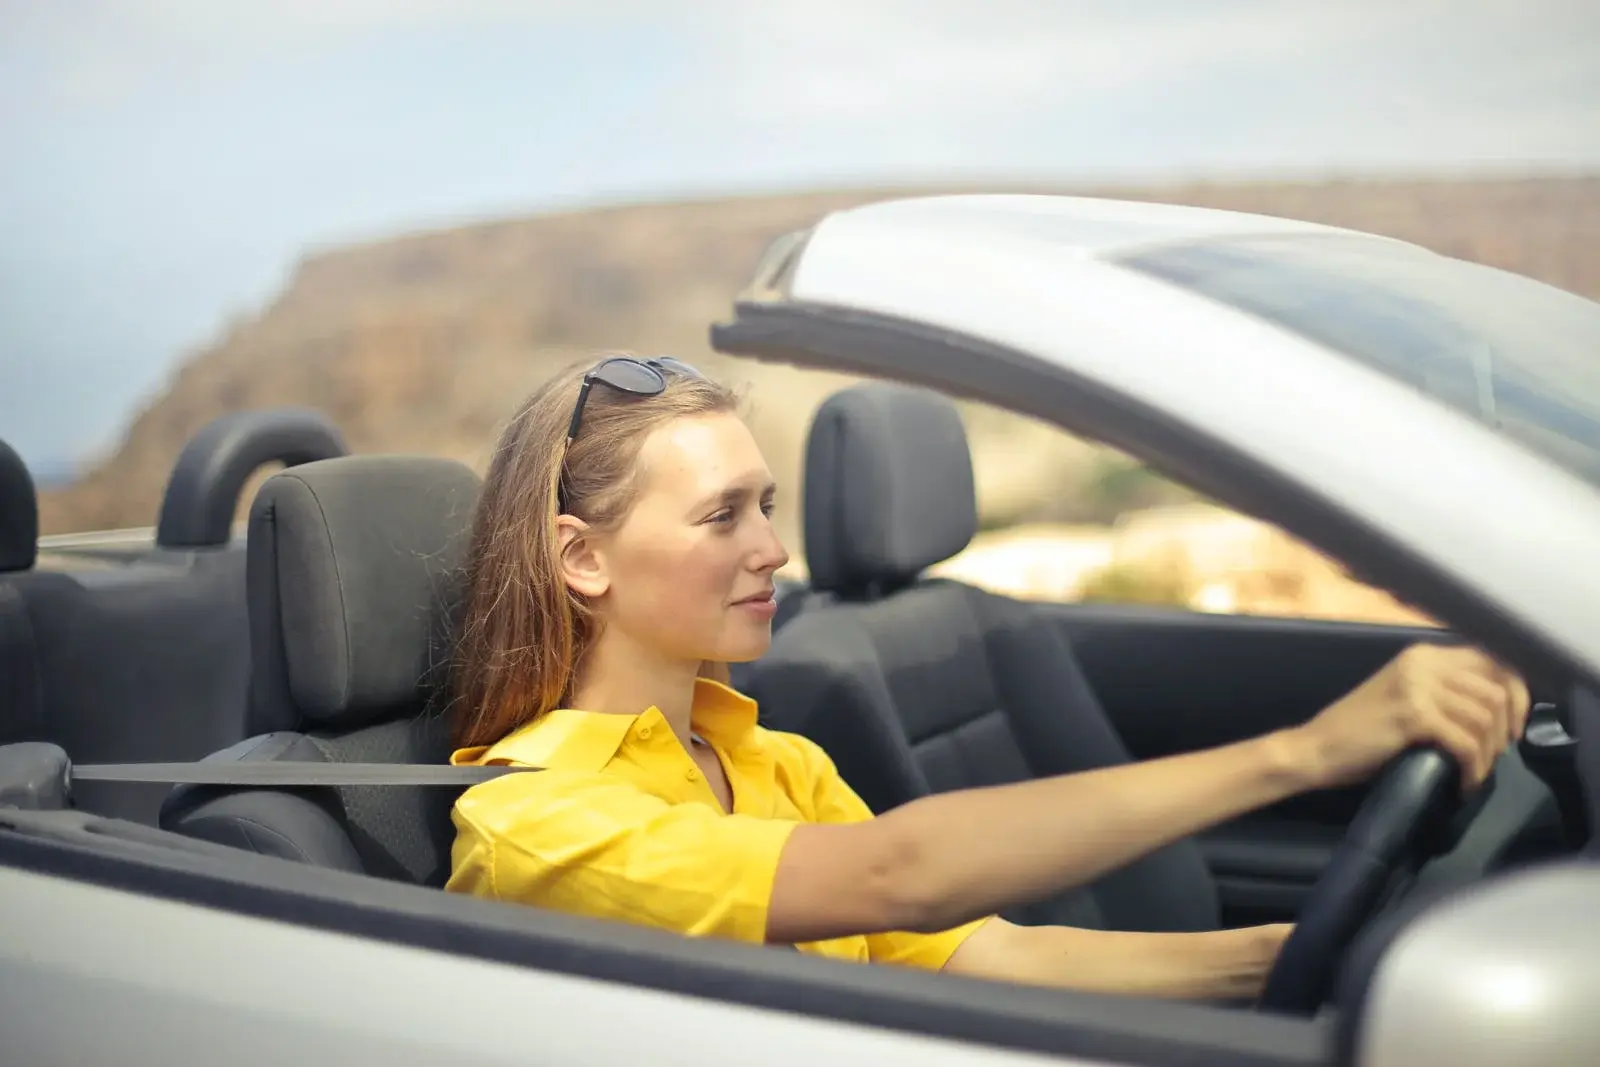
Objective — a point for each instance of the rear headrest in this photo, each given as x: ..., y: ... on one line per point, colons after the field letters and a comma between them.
x: 888, y: 487
x: 354, y: 574
x: 19, y: 513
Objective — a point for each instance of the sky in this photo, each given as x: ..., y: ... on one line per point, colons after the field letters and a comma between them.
x: 165, y: 163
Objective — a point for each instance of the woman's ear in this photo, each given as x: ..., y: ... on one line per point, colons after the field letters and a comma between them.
x: 583, y: 566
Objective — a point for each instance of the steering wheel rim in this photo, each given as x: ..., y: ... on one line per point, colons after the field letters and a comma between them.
x: 1417, y: 793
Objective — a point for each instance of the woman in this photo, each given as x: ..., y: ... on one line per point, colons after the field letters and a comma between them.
x: 623, y: 553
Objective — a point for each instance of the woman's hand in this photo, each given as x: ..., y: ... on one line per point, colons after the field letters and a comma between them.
x: 1210, y: 965
x: 1454, y: 697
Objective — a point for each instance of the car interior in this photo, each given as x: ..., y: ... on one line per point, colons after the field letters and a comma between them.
x: 321, y: 636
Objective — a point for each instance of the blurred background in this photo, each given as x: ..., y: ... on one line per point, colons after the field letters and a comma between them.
x: 406, y: 213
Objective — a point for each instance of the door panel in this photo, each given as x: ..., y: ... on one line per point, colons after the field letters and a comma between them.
x: 1173, y: 681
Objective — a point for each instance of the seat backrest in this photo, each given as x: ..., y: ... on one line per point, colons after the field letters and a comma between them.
x: 129, y: 662
x: 136, y: 662
x: 916, y: 685
x: 354, y: 580
x: 122, y: 653
x: 854, y: 466
x: 21, y: 695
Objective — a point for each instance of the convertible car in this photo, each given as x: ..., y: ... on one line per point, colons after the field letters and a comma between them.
x: 223, y: 806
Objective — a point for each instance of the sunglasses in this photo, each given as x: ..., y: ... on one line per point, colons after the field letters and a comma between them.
x: 626, y: 374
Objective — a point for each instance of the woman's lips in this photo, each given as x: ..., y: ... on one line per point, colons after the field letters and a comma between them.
x: 762, y: 605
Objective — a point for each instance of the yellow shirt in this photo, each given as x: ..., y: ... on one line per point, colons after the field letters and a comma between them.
x: 622, y: 825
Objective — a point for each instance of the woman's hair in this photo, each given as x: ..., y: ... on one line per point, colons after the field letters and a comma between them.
x: 524, y: 632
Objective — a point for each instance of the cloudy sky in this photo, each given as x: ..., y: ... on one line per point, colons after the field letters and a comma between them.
x: 164, y: 163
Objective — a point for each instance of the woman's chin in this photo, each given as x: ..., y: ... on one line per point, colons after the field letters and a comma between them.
x: 745, y: 649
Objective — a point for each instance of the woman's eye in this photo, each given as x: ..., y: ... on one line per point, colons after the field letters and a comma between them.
x: 767, y: 508
x: 726, y: 515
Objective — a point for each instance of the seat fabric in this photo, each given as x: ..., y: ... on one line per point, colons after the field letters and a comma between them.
x: 143, y: 661
x: 354, y: 580
x: 918, y: 685
x: 21, y: 695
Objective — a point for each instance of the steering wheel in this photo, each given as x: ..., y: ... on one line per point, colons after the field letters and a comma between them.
x: 1392, y: 832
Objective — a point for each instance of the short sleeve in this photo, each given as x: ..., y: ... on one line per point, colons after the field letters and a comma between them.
x: 833, y: 801
x: 592, y: 844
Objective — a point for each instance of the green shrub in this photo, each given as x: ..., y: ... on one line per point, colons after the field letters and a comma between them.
x: 1125, y: 583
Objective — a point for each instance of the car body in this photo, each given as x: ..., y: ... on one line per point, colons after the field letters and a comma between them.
x: 1332, y: 383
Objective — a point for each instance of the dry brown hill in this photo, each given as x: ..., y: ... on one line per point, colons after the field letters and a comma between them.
x: 424, y: 342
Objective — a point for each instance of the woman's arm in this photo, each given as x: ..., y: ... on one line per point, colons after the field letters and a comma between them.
x: 949, y: 858
x: 1214, y: 965
x: 952, y: 857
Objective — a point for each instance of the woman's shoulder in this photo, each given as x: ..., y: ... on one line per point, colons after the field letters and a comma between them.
x: 797, y: 755
x: 783, y: 742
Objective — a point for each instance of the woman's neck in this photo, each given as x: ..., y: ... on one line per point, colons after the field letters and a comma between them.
x: 620, y: 678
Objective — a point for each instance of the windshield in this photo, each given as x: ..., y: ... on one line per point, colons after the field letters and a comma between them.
x: 1515, y: 354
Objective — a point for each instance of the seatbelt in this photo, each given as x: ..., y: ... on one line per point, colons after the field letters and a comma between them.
x: 290, y: 773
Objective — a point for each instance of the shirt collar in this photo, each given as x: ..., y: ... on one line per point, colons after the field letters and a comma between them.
x: 588, y: 740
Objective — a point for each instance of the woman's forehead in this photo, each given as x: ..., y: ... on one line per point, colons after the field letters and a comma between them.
x: 699, y: 455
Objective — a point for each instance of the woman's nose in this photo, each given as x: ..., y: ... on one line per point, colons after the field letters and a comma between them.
x: 770, y: 555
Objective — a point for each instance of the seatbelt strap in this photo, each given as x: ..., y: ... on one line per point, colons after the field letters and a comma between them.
x: 291, y: 773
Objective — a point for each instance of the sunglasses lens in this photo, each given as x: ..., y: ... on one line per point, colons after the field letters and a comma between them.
x: 630, y: 376
x: 676, y: 366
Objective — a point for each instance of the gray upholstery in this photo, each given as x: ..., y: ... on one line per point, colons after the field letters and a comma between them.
x: 354, y: 583
x: 938, y: 685
x: 146, y: 661
x: 21, y: 689
x: 945, y: 687
x: 19, y: 512
x: 888, y: 486
x: 391, y: 831
x: 350, y: 568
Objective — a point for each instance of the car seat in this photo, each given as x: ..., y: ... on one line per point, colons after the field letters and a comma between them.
x: 354, y: 572
x: 915, y: 684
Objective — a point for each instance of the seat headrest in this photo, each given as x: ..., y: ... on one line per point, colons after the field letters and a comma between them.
x: 19, y: 513
x: 888, y: 487
x: 355, y: 573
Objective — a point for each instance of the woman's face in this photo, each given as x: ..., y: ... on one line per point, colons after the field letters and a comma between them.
x: 689, y: 571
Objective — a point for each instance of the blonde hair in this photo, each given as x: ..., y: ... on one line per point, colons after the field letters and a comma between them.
x: 525, y: 634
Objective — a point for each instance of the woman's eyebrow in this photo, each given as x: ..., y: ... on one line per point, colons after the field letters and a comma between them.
x: 731, y: 495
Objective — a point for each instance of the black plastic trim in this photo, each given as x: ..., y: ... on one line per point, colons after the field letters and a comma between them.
x: 1239, y: 893
x: 1086, y: 614
x: 883, y: 346
x: 19, y: 512
x: 1109, y: 1029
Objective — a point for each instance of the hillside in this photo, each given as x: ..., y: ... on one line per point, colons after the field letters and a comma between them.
x: 424, y: 342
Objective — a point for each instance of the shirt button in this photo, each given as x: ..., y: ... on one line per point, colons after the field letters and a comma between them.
x: 692, y: 775
x: 644, y: 733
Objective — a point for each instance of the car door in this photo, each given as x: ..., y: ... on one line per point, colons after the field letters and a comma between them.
x: 1173, y: 681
